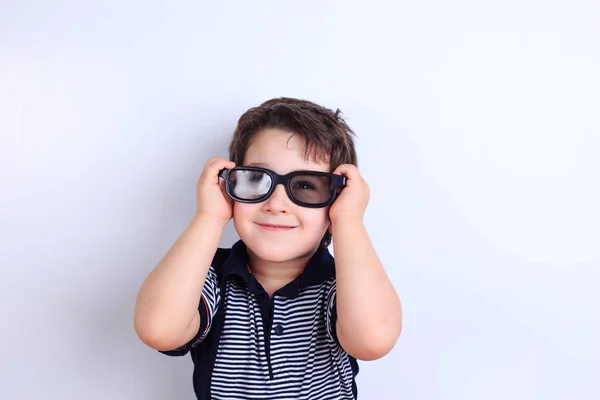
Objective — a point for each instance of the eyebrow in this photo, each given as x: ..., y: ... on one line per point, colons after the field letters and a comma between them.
x: 257, y: 164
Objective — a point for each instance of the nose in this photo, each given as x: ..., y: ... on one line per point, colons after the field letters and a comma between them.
x: 278, y: 202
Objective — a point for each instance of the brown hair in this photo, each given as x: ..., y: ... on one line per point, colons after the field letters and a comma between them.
x: 328, y: 138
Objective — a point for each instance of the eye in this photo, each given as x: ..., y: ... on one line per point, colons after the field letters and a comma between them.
x: 303, y: 185
x: 256, y: 177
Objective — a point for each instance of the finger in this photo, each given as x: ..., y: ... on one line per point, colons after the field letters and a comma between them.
x: 220, y: 163
x: 216, y: 160
x: 225, y: 164
x: 348, y: 170
x: 217, y: 165
x: 214, y: 166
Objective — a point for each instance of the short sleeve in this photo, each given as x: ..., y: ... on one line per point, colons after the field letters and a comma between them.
x: 331, y: 314
x: 207, y: 308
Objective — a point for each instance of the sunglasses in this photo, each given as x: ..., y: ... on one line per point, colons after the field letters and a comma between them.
x: 311, y: 189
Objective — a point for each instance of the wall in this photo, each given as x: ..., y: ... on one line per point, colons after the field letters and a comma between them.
x: 478, y: 133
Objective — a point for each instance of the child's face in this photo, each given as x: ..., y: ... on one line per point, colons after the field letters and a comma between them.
x: 277, y: 229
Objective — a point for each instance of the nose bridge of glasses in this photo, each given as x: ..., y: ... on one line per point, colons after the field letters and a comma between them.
x: 279, y: 188
x: 278, y: 199
x: 281, y: 184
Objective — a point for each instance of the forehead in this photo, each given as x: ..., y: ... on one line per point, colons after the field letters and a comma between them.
x: 282, y: 152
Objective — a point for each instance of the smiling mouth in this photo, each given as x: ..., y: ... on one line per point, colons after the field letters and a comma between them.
x: 272, y: 227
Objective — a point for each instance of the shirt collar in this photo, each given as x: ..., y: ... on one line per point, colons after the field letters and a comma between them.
x: 319, y: 268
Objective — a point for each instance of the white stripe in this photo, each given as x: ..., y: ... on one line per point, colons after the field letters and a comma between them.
x: 306, y: 362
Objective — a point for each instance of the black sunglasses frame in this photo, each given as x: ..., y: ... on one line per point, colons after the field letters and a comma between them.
x: 338, y: 182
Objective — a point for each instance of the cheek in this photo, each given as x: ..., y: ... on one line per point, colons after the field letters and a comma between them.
x: 242, y: 211
x: 236, y: 209
x: 242, y: 218
x: 316, y: 219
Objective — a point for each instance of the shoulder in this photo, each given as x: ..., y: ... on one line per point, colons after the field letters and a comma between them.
x: 218, y: 261
x: 220, y: 256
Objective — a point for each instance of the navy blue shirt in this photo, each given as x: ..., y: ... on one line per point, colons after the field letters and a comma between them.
x: 250, y: 346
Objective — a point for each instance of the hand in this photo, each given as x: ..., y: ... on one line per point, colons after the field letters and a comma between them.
x: 211, y: 195
x: 352, y: 202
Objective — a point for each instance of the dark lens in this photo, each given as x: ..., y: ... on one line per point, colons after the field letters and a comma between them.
x: 249, y: 184
x: 311, y: 189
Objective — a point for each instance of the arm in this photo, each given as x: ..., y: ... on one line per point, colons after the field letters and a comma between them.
x: 166, y: 311
x: 369, y: 313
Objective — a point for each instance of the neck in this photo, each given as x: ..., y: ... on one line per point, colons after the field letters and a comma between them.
x: 274, y: 275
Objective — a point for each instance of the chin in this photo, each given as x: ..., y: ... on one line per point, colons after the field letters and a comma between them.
x: 275, y: 250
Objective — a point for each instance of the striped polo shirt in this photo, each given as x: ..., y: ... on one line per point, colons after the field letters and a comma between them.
x: 250, y: 346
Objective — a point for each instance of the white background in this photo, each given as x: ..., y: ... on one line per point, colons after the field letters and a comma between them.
x: 478, y: 131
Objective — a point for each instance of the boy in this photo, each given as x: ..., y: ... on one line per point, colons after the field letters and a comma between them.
x: 275, y: 317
